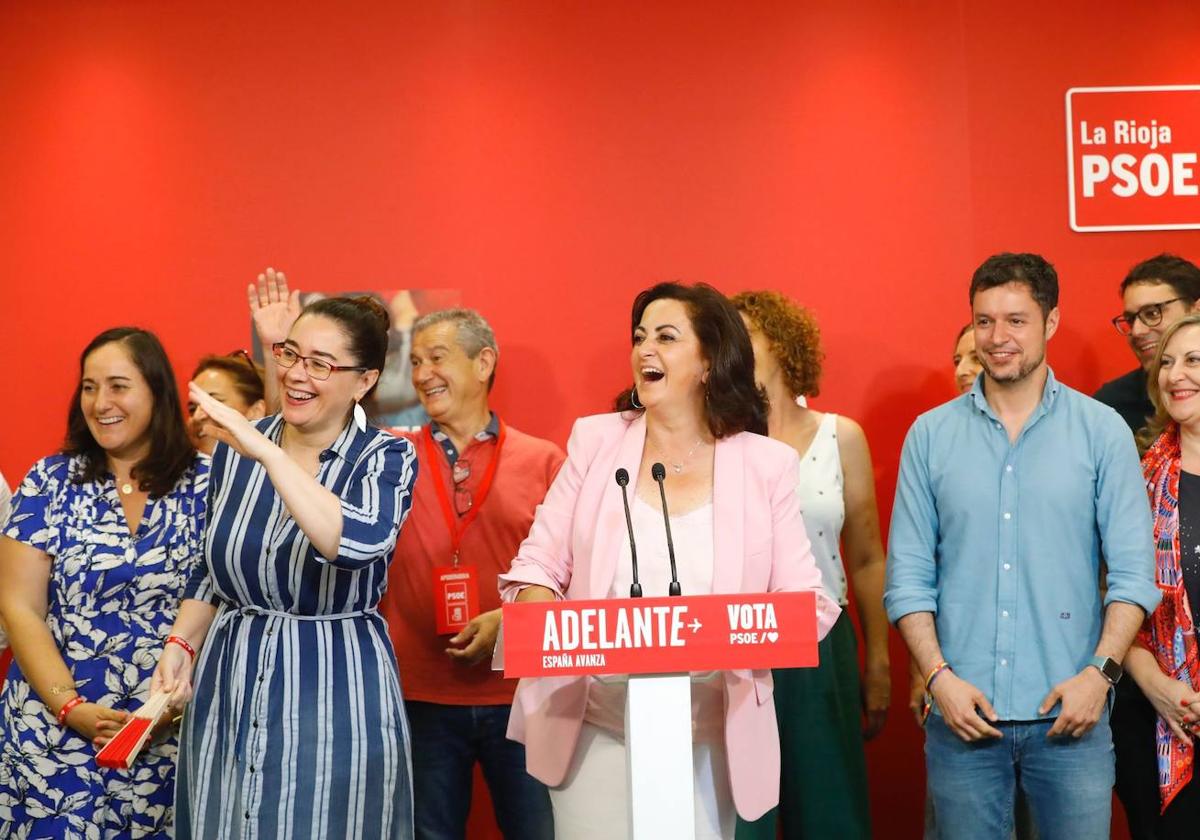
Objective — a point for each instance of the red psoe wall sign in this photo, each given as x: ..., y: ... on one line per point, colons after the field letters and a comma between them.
x: 1133, y: 158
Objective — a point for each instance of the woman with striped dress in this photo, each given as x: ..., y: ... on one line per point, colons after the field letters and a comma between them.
x: 296, y: 727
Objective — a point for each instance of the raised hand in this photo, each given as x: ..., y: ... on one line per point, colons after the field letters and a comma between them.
x: 273, y: 308
x: 228, y: 425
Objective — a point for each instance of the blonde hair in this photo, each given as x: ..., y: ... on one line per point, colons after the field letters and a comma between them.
x: 1161, y: 420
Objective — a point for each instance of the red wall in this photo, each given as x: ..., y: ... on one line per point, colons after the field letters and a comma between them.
x: 549, y: 160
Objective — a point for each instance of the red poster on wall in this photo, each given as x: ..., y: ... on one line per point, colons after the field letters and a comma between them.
x: 1132, y: 157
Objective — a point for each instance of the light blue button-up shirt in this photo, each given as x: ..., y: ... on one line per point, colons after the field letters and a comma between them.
x: 1003, y: 542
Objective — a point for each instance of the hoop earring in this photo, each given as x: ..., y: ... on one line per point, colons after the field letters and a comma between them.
x: 633, y: 399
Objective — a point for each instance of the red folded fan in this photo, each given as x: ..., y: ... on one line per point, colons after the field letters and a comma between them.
x: 123, y: 749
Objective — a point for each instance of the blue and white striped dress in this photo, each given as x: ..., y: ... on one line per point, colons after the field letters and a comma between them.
x: 297, y: 727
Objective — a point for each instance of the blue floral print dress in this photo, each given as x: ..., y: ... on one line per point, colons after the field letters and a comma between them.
x: 112, y: 600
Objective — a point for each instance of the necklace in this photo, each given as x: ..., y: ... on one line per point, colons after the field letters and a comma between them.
x: 127, y: 488
x: 677, y: 466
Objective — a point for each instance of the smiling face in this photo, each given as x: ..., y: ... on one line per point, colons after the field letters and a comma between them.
x: 1010, y: 332
x: 669, y: 368
x: 117, y: 403
x: 449, y: 383
x: 966, y: 362
x: 1179, y: 376
x: 1143, y: 340
x: 221, y: 386
x: 313, y: 404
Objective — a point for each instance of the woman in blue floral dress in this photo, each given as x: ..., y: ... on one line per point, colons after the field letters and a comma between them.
x: 102, y: 539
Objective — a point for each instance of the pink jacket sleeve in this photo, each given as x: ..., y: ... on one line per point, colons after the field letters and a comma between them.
x: 545, y: 557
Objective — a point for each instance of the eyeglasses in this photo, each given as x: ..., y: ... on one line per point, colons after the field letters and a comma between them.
x: 286, y: 357
x: 1150, y: 315
x: 462, y: 496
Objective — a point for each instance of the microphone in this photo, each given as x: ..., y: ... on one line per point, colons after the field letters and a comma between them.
x: 659, y: 472
x: 635, y: 589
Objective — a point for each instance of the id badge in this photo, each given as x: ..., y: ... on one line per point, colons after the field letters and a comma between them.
x: 455, y: 598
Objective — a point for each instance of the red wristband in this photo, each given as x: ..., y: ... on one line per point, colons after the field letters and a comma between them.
x: 183, y: 643
x: 66, y: 709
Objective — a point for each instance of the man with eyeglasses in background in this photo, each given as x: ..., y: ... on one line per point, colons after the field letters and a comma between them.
x: 1156, y: 293
x: 478, y: 483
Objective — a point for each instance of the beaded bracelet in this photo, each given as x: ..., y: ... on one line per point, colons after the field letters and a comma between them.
x: 933, y: 675
x: 67, y: 707
x: 183, y: 643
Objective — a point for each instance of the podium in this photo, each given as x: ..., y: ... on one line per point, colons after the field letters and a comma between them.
x: 659, y: 643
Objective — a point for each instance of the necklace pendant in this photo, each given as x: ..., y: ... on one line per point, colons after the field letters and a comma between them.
x: 677, y: 467
x: 127, y: 488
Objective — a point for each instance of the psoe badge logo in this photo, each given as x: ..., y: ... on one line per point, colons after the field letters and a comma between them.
x: 752, y: 624
x: 1132, y: 156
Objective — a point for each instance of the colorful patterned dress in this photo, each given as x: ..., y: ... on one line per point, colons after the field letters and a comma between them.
x: 297, y: 727
x: 112, y: 600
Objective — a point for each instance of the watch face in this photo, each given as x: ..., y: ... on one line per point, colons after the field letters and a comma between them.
x: 1111, y: 669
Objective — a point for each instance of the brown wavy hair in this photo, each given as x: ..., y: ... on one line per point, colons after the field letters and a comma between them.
x: 247, y: 376
x: 792, y: 334
x: 733, y: 403
x: 1159, y: 422
x: 171, y: 450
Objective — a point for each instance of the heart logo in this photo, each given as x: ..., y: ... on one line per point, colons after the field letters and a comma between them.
x: 772, y: 636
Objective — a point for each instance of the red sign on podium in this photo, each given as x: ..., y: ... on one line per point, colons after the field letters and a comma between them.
x: 660, y: 635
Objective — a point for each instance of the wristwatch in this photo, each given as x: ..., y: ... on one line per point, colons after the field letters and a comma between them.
x: 1109, y: 667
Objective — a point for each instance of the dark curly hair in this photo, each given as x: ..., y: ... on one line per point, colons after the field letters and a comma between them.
x: 733, y: 402
x: 1030, y: 270
x: 171, y: 450
x: 792, y: 334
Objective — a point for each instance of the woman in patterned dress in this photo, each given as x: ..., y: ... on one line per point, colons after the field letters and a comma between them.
x: 296, y: 727
x: 1163, y: 660
x: 102, y: 539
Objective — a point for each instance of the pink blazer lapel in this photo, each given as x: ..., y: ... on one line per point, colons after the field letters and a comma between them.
x: 610, y: 516
x: 729, y: 514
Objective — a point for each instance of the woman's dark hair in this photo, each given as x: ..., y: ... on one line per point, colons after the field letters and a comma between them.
x: 732, y: 401
x: 246, y: 375
x: 365, y: 321
x: 171, y: 450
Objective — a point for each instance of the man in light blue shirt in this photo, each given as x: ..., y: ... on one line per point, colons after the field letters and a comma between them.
x: 1010, y: 500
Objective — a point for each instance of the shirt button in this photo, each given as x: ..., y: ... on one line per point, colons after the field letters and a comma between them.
x: 1007, y: 567
x: 1004, y: 613
x: 1007, y: 515
x: 998, y: 426
x: 1008, y: 468
x: 1003, y: 661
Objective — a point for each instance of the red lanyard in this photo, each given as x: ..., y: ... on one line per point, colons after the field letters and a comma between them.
x: 456, y: 525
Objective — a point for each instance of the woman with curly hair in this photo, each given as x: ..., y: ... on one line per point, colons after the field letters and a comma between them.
x: 825, y: 713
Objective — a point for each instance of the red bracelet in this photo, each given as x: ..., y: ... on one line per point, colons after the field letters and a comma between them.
x: 67, y: 707
x: 183, y: 643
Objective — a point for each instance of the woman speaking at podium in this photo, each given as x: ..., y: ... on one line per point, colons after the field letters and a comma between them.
x: 735, y: 517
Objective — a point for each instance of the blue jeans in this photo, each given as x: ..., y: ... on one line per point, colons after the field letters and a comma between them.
x: 1066, y: 781
x: 446, y: 743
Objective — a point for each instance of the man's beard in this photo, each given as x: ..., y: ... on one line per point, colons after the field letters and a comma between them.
x: 1026, y: 367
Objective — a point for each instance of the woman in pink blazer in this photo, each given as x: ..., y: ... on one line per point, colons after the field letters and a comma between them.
x: 737, y: 525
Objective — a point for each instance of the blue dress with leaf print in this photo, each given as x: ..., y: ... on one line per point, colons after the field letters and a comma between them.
x: 112, y: 600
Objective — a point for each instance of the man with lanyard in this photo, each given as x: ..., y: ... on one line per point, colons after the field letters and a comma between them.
x: 1006, y: 499
x: 478, y: 484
